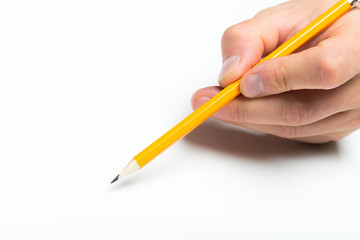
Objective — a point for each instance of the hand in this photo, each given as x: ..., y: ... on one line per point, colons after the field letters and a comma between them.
x: 312, y: 95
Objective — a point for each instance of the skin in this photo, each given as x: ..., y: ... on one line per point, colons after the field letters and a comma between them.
x: 312, y: 95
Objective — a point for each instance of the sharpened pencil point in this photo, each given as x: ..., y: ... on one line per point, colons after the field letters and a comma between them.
x: 115, y: 179
x: 132, y: 166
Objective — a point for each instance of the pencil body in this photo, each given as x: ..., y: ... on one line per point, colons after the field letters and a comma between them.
x: 233, y: 90
x: 188, y: 124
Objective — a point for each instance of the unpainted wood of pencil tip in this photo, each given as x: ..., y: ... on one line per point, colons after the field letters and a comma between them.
x: 132, y: 166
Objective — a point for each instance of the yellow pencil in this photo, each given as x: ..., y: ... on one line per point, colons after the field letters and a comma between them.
x: 233, y: 90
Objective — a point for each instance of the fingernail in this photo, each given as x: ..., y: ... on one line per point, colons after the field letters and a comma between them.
x: 228, y: 65
x: 252, y: 86
x: 201, y: 101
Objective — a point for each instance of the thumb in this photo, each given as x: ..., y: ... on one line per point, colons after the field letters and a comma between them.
x: 244, y: 44
x: 242, y: 47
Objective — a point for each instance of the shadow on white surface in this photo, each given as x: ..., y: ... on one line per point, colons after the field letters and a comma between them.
x: 237, y: 141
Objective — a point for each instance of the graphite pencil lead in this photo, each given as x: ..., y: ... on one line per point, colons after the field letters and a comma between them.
x: 115, y: 179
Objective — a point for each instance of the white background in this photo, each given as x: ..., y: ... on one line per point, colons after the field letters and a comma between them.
x: 86, y: 85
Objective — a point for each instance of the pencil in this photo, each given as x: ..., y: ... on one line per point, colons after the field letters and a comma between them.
x: 233, y: 90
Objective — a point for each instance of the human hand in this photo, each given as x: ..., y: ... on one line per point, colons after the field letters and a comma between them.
x: 312, y: 95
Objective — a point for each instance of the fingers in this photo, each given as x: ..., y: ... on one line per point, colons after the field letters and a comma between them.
x: 322, y: 123
x: 330, y: 128
x: 295, y: 108
x: 325, y: 66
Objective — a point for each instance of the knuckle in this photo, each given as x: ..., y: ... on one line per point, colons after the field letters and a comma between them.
x: 354, y: 123
x: 280, y: 78
x: 337, y: 137
x: 235, y: 31
x: 334, y: 137
x: 295, y: 113
x: 235, y: 114
x: 330, y: 68
x: 352, y: 99
x: 290, y: 132
x: 264, y: 12
x: 230, y: 31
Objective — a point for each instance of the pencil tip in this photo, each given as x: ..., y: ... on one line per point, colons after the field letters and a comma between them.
x: 130, y: 168
x: 115, y: 179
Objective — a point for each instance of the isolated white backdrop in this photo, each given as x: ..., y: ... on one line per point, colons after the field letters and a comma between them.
x: 85, y: 85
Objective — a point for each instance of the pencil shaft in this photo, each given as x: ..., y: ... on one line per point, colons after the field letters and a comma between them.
x: 233, y: 90
x: 188, y: 124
